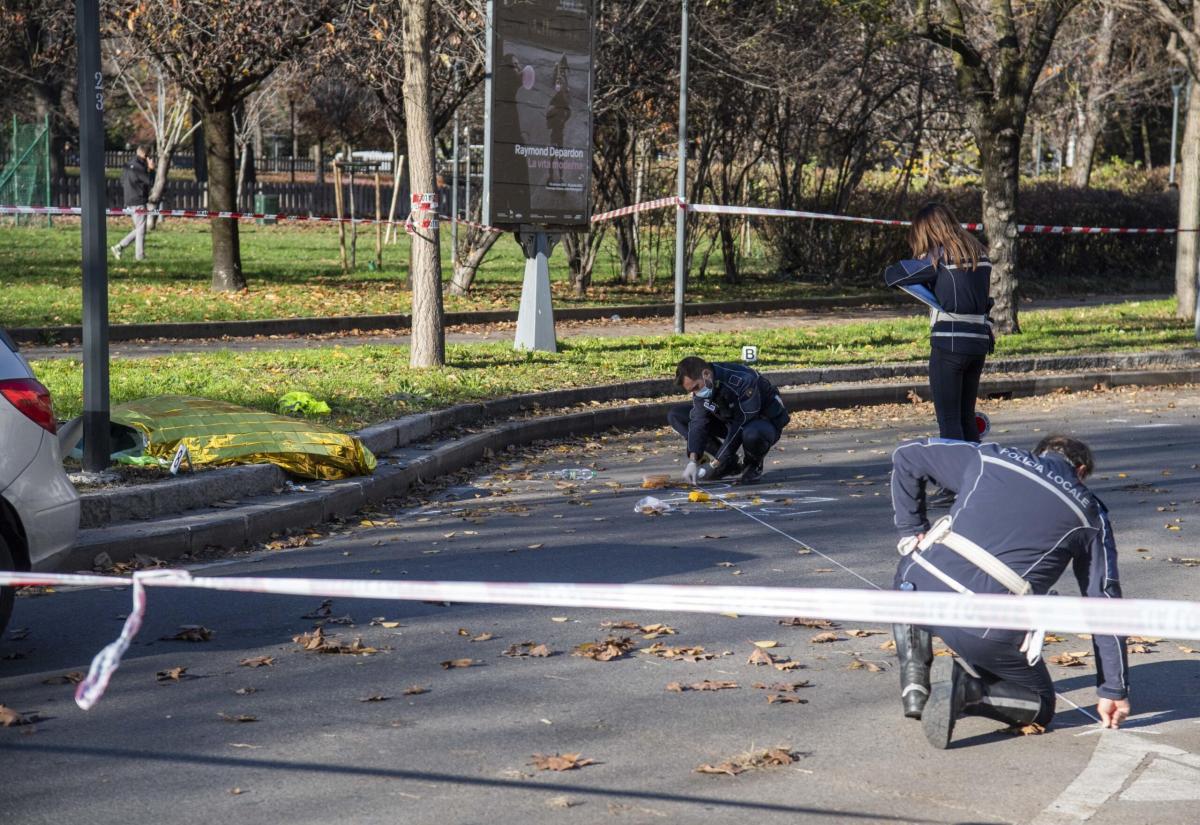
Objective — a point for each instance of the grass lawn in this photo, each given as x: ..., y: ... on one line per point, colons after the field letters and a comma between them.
x: 366, y: 384
x: 294, y: 271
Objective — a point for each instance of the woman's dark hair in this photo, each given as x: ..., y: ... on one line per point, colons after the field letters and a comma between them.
x: 1074, y: 450
x: 693, y: 367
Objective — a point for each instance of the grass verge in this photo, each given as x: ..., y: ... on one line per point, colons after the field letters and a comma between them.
x: 294, y: 272
x: 366, y: 384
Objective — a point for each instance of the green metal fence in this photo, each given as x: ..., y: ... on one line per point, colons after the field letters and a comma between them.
x: 25, y: 179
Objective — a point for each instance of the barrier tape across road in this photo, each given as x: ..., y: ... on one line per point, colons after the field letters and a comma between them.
x: 1069, y: 614
x: 646, y: 206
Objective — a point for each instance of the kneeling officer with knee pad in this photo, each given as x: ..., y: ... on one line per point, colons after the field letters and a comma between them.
x: 1020, y: 519
x: 732, y: 407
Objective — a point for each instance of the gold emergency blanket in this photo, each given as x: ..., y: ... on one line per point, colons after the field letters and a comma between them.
x: 219, y: 433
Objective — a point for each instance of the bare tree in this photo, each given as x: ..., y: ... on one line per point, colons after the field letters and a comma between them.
x: 1183, y: 21
x: 428, y: 333
x: 997, y: 56
x: 221, y: 52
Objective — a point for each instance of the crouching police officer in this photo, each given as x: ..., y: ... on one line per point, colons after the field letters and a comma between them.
x: 732, y: 407
x: 1020, y: 519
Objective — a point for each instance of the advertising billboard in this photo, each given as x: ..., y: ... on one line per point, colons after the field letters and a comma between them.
x: 540, y: 98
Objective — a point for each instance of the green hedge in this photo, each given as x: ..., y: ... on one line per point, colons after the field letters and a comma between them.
x: 855, y: 254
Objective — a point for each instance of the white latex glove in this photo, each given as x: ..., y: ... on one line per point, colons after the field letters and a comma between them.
x: 907, y: 544
x: 691, y: 472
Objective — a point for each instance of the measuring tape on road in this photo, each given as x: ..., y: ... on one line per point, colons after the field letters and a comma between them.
x: 1070, y: 614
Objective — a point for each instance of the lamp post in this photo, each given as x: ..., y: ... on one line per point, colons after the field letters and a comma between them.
x: 681, y: 174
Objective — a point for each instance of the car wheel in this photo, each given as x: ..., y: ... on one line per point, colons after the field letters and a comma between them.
x: 7, y: 594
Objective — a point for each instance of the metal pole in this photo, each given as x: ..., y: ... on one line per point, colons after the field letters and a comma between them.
x: 467, y: 190
x: 46, y: 165
x: 681, y: 174
x: 454, y: 191
x: 488, y: 73
x: 93, y: 202
x: 1175, y: 87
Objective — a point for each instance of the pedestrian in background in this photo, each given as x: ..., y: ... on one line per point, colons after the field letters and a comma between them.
x: 136, y: 179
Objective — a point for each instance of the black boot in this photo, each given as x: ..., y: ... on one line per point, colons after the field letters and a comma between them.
x: 938, y: 497
x: 754, y: 469
x: 954, y: 693
x: 727, y: 466
x: 914, y: 647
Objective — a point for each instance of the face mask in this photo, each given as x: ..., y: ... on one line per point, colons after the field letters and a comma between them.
x: 705, y: 392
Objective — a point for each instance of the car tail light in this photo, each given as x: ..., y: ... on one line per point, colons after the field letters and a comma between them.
x: 31, y: 399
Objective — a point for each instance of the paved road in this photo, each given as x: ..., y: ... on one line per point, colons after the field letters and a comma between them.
x: 615, y: 327
x: 461, y: 752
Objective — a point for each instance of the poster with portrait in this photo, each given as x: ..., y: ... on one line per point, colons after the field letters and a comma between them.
x: 541, y: 113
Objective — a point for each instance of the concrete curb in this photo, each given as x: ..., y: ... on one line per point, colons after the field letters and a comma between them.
x: 176, y: 496
x: 373, y: 323
x: 263, y: 516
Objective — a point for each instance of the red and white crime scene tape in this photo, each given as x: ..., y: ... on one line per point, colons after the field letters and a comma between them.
x: 1071, y: 614
x: 423, y: 214
x: 426, y: 202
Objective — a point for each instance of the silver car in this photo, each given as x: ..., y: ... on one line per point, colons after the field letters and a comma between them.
x: 39, y: 508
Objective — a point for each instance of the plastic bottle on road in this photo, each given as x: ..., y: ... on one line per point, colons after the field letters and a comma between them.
x: 573, y: 474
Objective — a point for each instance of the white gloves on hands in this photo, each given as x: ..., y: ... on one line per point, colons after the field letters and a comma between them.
x: 907, y: 544
x: 691, y: 473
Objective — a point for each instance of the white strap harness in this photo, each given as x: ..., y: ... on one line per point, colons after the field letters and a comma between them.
x: 936, y: 315
x: 942, y: 533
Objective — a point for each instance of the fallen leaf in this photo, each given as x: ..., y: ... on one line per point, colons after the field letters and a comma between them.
x: 863, y: 664
x: 559, y: 619
x: 766, y: 644
x: 414, y: 690
x: 862, y: 634
x: 527, y: 649
x: 72, y: 678
x: 825, y: 638
x: 606, y: 650
x: 707, y: 684
x: 559, y: 762
x: 375, y: 697
x: 1067, y: 660
x: 451, y: 664
x: 537, y: 546
x: 785, y: 699
x: 685, y: 654
x: 1184, y: 560
x: 815, y: 624
x: 890, y: 644
x: 713, y: 536
x: 772, y: 758
x: 317, y: 642
x: 786, y: 665
x: 728, y: 615
x: 10, y: 718
x: 258, y: 661
x: 1186, y: 649
x: 483, y: 637
x: 760, y: 657
x: 236, y: 791
x: 381, y: 622
x: 324, y: 611
x: 241, y: 717
x: 190, y: 633
x: 782, y: 687
x: 173, y: 674
x: 246, y: 691
x: 1032, y: 729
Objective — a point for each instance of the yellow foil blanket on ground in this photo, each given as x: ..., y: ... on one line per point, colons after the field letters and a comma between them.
x: 219, y: 433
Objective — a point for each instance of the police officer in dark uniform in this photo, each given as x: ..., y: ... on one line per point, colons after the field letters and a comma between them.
x: 1019, y: 520
x: 732, y: 407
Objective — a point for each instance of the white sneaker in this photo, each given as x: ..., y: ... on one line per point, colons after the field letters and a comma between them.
x: 116, y: 251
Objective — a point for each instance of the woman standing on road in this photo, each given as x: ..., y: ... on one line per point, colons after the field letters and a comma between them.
x: 950, y: 272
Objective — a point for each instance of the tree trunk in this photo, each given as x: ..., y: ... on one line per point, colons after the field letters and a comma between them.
x: 475, y: 247
x: 428, y: 335
x: 295, y: 140
x: 627, y: 248
x: 320, y: 162
x: 162, y: 165
x: 999, y: 156
x: 728, y: 249
x: 1146, y: 155
x: 1186, y: 248
x: 222, y: 197
x: 47, y: 105
x: 1091, y: 110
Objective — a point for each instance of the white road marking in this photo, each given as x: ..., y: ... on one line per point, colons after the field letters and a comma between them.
x: 1150, y: 426
x: 1117, y: 757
